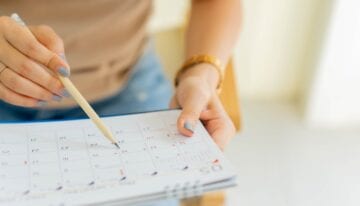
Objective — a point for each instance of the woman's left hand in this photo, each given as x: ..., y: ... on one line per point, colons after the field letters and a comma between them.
x: 199, y: 100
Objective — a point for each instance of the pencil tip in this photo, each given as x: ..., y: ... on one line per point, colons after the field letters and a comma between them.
x: 117, y: 145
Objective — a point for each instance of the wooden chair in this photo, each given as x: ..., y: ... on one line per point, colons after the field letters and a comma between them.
x: 230, y: 101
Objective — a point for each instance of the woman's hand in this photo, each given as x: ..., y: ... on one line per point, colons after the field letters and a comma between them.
x: 29, y: 59
x: 198, y: 99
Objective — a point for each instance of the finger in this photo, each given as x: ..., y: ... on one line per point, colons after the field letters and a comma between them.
x: 210, y: 113
x: 218, y: 123
x: 222, y: 134
x: 207, y: 114
x: 214, y: 110
x: 192, y: 106
x: 23, y: 40
x: 48, y: 37
x: 30, y: 69
x: 220, y: 139
x: 16, y: 99
x: 219, y: 126
x: 23, y: 86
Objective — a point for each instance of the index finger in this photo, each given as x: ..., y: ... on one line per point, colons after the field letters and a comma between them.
x: 23, y: 40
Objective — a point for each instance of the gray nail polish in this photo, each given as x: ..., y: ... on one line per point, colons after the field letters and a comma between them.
x: 189, y: 126
x: 64, y: 72
x: 64, y: 93
x: 41, y: 103
x: 56, y: 98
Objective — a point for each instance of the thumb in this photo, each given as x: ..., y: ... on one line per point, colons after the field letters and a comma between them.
x: 192, y: 107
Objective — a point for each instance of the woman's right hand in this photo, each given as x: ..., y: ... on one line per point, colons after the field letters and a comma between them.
x: 30, y: 58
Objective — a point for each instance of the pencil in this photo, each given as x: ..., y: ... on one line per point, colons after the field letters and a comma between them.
x: 87, y: 109
x: 85, y: 106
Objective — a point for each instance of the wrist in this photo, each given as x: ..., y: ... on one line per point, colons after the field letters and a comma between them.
x: 204, y: 73
x: 202, y: 66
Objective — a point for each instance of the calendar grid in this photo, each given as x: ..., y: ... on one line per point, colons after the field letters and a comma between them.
x: 64, y: 158
x: 88, y: 154
x: 28, y: 158
x: 62, y: 182
x: 147, y: 145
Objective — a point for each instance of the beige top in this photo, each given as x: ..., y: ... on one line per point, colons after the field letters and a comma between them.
x: 103, y: 38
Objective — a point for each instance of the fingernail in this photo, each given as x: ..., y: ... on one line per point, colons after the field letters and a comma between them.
x: 64, y: 72
x: 56, y: 98
x: 64, y: 93
x: 189, y: 126
x: 41, y: 103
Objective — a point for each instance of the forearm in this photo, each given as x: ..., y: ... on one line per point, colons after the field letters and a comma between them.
x: 213, y: 29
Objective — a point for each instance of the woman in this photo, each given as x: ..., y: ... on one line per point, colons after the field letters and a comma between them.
x: 112, y: 62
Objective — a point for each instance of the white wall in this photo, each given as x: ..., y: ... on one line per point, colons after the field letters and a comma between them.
x: 168, y: 14
x: 277, y: 56
x: 334, y: 96
x: 167, y: 25
x: 272, y: 54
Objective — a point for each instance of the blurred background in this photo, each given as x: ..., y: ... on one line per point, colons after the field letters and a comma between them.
x: 297, y: 74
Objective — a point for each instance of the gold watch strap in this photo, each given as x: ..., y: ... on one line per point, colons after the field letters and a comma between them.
x: 199, y: 59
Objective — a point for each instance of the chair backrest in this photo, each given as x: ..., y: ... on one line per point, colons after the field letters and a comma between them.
x: 229, y: 96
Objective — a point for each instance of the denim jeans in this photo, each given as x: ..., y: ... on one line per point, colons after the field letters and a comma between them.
x: 147, y: 89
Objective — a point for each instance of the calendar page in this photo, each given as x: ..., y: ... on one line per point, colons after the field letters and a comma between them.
x: 70, y: 162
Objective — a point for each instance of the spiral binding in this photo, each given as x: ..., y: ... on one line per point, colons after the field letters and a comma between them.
x: 184, y: 190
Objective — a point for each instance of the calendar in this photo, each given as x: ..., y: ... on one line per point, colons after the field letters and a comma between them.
x: 70, y: 162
